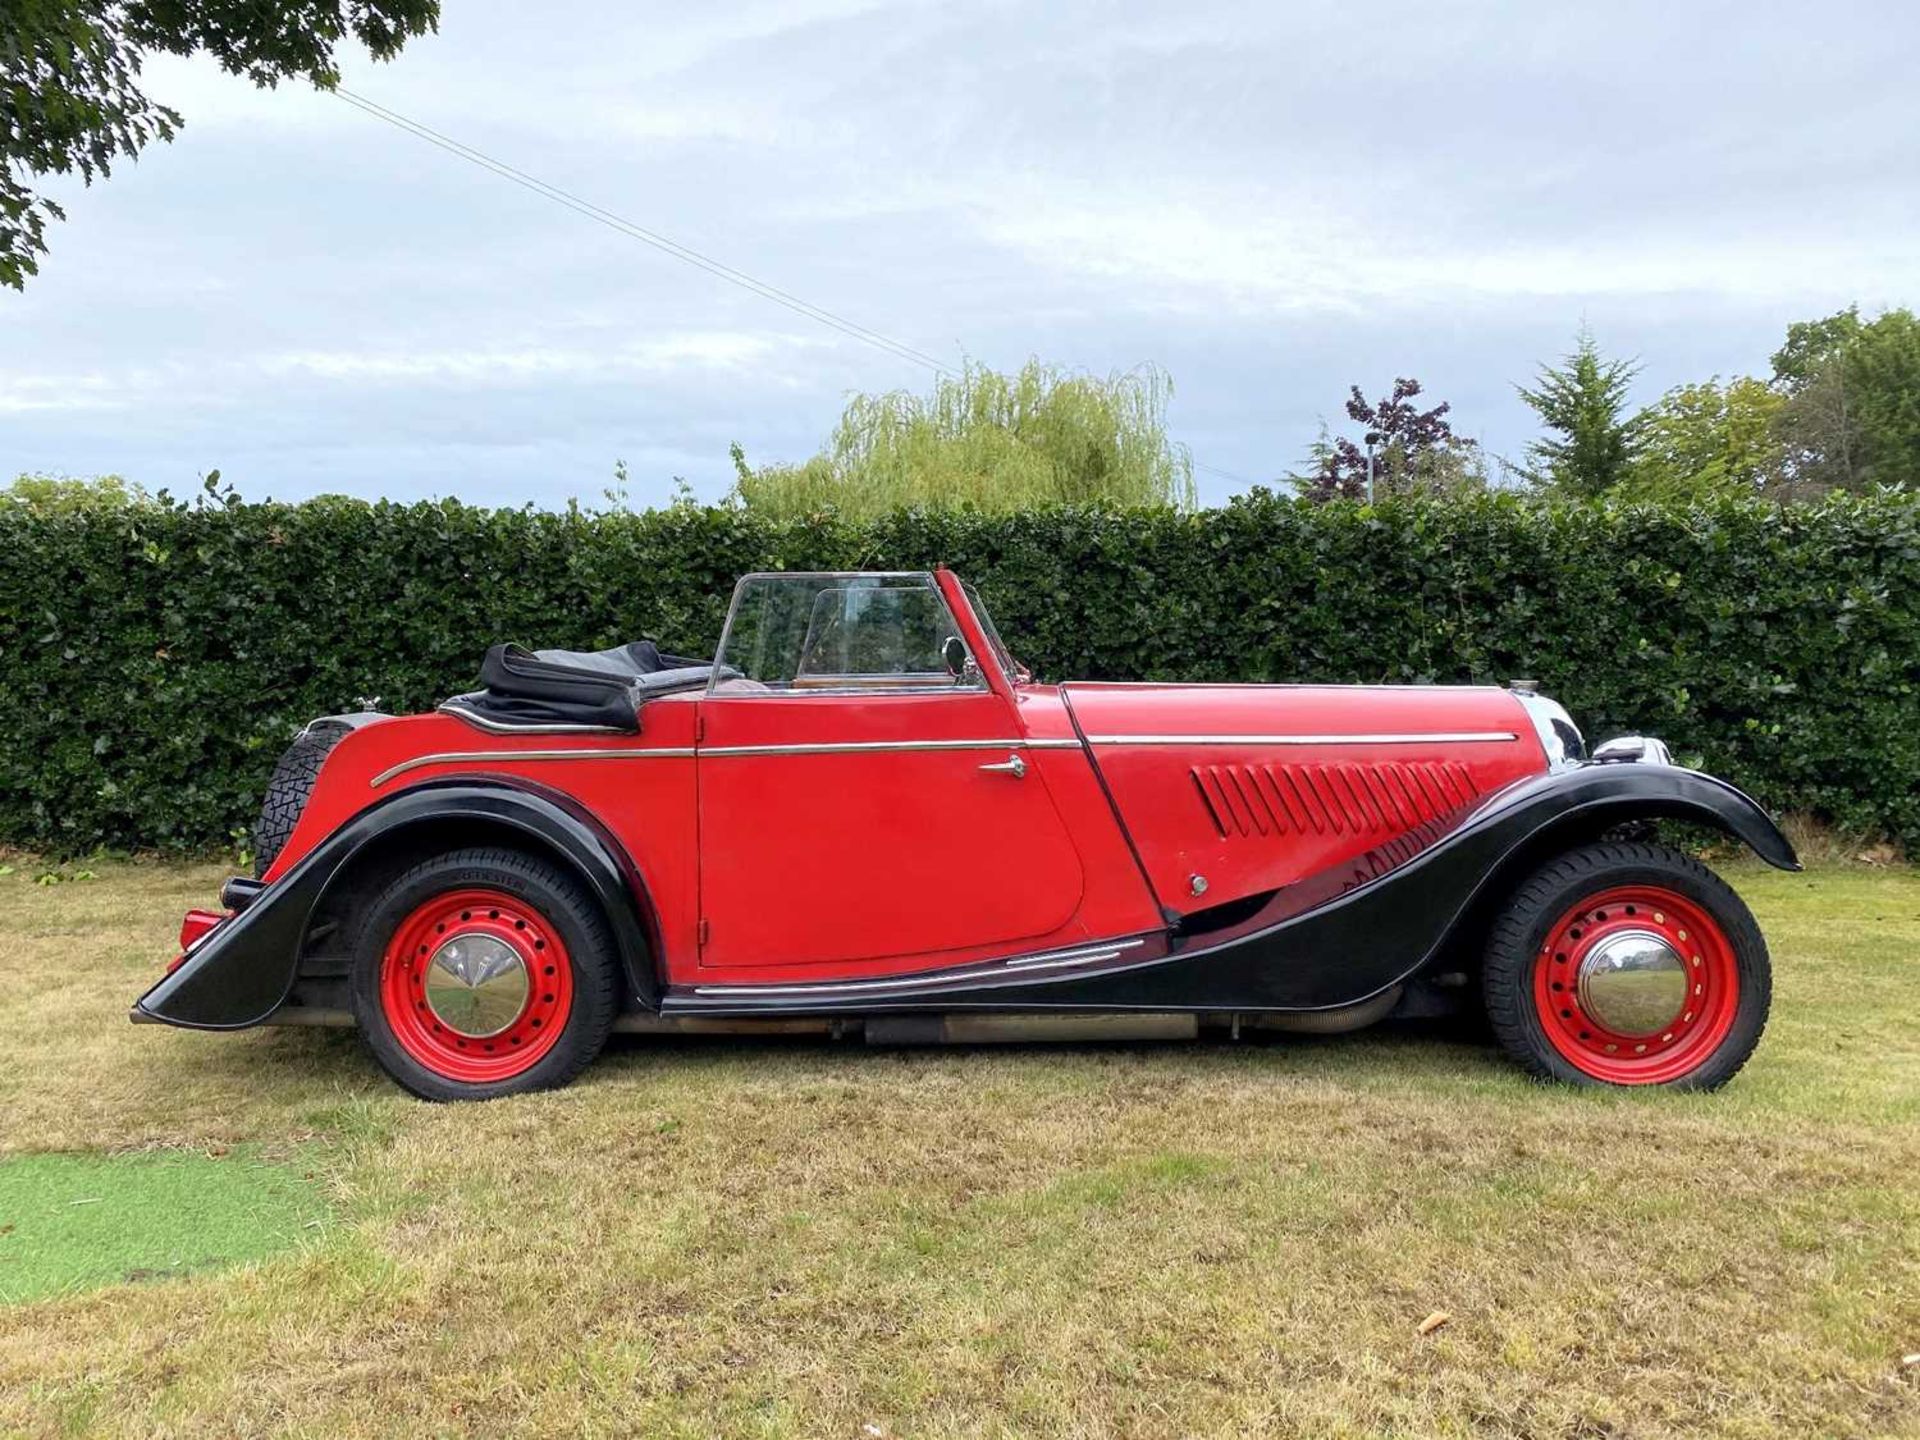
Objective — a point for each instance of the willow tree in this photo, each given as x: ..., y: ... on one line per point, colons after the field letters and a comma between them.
x: 991, y: 441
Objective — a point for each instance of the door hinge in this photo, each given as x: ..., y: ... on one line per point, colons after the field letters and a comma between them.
x: 706, y: 930
x: 699, y: 727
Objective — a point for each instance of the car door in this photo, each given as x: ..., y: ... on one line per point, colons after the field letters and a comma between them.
x: 859, y: 801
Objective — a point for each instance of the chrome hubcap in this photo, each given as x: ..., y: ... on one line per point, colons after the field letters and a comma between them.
x: 1633, y: 983
x: 477, y: 985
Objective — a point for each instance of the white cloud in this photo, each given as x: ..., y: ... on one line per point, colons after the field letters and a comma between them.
x: 669, y: 354
x: 26, y: 394
x: 1276, y: 256
x: 1274, y: 201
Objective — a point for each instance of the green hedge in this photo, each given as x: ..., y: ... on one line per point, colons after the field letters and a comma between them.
x: 155, y: 660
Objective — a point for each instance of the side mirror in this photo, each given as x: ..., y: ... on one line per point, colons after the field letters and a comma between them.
x: 954, y: 653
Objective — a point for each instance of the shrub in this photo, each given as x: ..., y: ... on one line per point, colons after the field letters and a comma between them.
x: 156, y: 659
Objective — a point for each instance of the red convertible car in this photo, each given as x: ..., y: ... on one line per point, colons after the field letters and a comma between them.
x: 865, y: 817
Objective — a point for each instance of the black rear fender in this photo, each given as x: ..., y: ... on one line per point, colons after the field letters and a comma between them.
x: 246, y: 969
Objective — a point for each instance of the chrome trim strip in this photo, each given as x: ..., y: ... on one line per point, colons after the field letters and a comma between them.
x: 682, y: 752
x: 804, y: 692
x: 1266, y: 685
x: 837, y: 575
x: 481, y: 757
x: 1020, y: 965
x: 1062, y: 957
x: 496, y: 727
x: 1437, y: 737
x: 876, y: 747
x: 864, y: 747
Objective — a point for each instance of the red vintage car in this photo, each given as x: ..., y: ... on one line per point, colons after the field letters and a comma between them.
x: 865, y: 817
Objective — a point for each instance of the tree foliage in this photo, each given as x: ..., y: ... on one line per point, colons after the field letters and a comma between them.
x: 1706, y: 438
x: 1810, y: 345
x: 1880, y: 368
x: 69, y: 492
x: 1594, y: 442
x: 989, y: 441
x: 1852, y: 416
x: 1414, y: 451
x: 70, y: 93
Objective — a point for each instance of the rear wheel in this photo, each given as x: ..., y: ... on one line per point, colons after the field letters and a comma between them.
x: 1628, y: 964
x: 483, y: 972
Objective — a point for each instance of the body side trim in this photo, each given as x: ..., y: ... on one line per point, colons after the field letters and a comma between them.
x: 1445, y: 737
x: 482, y: 757
x: 860, y: 747
x: 682, y: 752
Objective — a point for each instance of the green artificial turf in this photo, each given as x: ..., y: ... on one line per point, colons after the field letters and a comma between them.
x: 71, y: 1222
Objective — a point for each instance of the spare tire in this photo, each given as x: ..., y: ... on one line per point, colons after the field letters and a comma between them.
x: 287, y: 791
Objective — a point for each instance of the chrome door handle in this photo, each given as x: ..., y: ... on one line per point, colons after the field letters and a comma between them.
x: 1013, y: 765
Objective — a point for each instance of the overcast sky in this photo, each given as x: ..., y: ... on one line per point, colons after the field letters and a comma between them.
x: 1270, y: 200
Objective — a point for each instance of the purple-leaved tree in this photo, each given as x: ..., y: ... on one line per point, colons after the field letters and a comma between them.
x: 1414, y: 451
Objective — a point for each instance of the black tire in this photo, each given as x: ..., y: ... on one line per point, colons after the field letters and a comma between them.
x: 288, y: 790
x: 1515, y: 946
x: 559, y: 900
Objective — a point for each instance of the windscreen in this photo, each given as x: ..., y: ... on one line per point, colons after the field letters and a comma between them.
x: 825, y: 632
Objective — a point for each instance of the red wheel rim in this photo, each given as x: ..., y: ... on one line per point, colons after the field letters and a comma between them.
x: 418, y: 999
x: 1702, y: 1017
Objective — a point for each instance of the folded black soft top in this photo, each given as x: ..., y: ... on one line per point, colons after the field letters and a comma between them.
x: 571, y: 689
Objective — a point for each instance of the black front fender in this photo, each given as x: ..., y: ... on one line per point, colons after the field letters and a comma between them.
x: 246, y: 968
x: 1345, y: 936
x: 1614, y: 793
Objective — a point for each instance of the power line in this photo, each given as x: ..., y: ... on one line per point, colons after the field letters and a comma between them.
x: 664, y: 244
x: 634, y: 231
x: 1223, y: 474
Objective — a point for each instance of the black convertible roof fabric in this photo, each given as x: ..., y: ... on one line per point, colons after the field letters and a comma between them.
x: 572, y: 689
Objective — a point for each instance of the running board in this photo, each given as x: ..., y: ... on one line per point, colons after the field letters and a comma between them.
x: 920, y: 991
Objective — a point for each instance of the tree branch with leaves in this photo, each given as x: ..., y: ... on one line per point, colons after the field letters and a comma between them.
x: 71, y: 100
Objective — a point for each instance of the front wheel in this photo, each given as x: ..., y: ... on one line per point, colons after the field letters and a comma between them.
x: 1628, y: 964
x: 483, y: 972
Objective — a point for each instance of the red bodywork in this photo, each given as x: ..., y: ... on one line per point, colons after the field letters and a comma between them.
x: 819, y: 836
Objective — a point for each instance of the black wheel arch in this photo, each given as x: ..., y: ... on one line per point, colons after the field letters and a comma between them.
x: 246, y: 970
x: 1610, y: 796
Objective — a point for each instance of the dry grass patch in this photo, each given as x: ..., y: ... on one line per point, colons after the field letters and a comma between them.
x: 796, y: 1239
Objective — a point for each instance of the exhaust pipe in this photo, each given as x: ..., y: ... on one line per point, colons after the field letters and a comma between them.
x: 965, y: 1029
x: 1328, y: 1022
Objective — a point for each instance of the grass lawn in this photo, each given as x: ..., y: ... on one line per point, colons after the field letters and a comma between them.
x: 792, y: 1238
